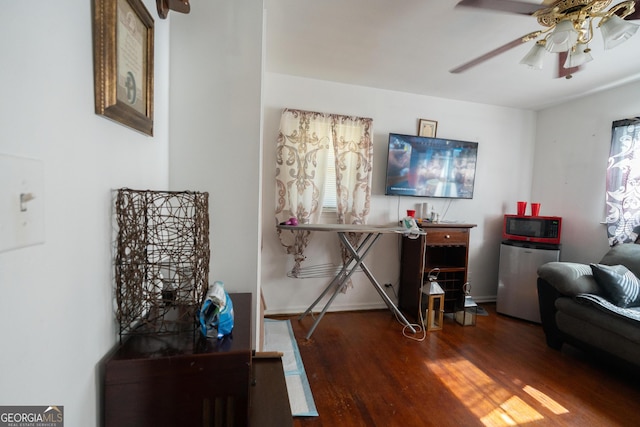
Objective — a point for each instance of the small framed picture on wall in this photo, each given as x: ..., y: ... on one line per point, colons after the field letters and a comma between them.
x: 427, y: 128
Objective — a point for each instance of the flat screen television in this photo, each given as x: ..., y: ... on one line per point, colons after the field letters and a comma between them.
x: 430, y: 167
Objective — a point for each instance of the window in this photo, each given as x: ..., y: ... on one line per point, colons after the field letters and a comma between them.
x: 623, y: 182
x: 303, y: 172
x: 330, y: 200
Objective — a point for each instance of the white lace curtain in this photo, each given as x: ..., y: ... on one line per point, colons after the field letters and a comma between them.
x: 623, y: 182
x: 304, y: 141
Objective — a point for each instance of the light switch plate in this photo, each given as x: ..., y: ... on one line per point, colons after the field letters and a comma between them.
x: 21, y: 221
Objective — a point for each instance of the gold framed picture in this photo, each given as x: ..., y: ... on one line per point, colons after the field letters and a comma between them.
x: 427, y: 128
x: 123, y: 63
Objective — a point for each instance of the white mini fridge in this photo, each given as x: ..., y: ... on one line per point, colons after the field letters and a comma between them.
x: 518, y: 275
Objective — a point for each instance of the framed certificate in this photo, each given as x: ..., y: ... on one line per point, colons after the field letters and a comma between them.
x: 427, y: 128
x: 123, y: 63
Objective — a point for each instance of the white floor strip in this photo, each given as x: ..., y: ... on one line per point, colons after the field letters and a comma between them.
x: 278, y: 336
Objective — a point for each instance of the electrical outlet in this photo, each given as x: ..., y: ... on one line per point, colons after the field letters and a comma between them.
x: 21, y: 202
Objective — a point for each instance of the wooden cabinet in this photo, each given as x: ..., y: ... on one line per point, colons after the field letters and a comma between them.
x: 445, y: 247
x: 181, y: 379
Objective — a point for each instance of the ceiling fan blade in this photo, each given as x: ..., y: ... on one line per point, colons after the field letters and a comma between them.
x: 495, y: 52
x: 503, y: 6
x: 633, y: 16
x: 636, y: 14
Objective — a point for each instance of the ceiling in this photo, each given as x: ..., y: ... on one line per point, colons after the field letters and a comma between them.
x: 410, y: 46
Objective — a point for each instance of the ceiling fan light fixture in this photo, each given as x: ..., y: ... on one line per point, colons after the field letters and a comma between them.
x: 563, y: 37
x: 616, y: 30
x: 535, y: 58
x: 569, y: 26
x: 578, y: 56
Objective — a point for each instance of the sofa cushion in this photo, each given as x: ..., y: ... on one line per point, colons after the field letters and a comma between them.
x: 618, y: 284
x: 631, y: 315
x: 627, y: 254
x: 617, y: 334
x: 569, y: 278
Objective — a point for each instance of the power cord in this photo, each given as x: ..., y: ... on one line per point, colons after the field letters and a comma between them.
x: 419, y: 328
x: 432, y: 276
x: 446, y: 210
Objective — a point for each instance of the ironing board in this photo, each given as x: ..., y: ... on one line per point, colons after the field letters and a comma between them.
x: 356, y: 259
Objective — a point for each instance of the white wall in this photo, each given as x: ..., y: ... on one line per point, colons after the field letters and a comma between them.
x: 572, y: 148
x: 216, y: 73
x: 56, y: 318
x: 506, y: 137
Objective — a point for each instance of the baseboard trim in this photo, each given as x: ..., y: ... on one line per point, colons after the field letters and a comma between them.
x: 298, y: 309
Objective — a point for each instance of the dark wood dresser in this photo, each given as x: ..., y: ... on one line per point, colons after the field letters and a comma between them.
x: 182, y: 379
x: 445, y: 247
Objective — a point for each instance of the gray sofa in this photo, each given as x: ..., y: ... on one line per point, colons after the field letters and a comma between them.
x: 593, y: 306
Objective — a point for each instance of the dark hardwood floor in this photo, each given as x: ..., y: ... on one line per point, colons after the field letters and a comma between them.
x: 364, y: 372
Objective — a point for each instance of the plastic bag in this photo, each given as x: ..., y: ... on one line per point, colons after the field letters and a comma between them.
x: 216, y: 313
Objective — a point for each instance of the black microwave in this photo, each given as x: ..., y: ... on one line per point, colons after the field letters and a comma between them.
x: 537, y: 229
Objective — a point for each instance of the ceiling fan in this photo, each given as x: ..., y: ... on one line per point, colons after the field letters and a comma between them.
x: 568, y: 28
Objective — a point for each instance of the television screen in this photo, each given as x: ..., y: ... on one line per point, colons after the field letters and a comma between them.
x: 430, y: 167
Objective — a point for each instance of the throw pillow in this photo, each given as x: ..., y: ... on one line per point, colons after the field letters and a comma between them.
x: 618, y: 284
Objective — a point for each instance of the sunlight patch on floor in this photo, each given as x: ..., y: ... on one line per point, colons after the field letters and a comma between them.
x: 512, y: 412
x: 486, y: 399
x: 545, y: 400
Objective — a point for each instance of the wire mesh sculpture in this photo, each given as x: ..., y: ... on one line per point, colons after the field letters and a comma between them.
x: 161, y: 260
